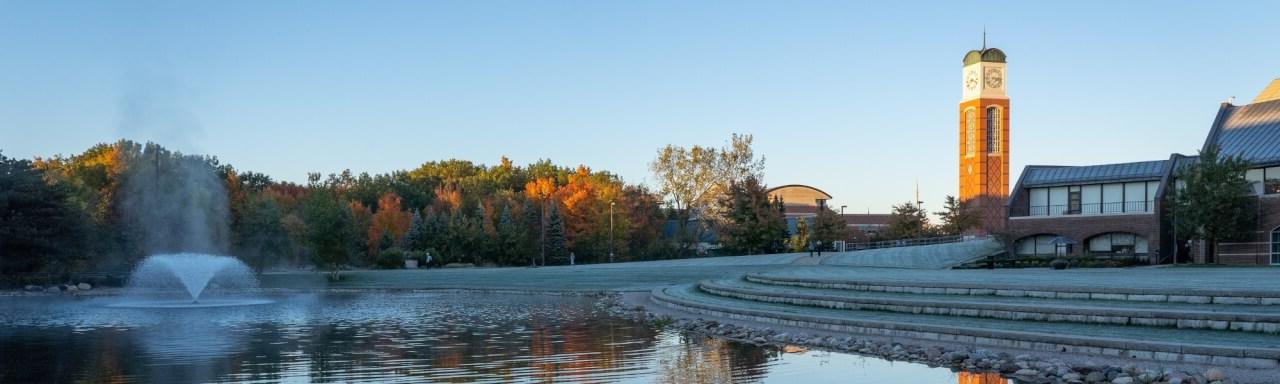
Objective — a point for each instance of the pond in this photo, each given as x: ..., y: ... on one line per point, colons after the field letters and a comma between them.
x: 398, y: 337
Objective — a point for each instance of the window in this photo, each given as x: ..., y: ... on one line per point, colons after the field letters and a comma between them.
x: 1039, y: 199
x: 1272, y: 183
x: 1255, y: 179
x: 970, y: 131
x: 1036, y: 245
x: 1275, y: 246
x: 993, y: 130
x: 1118, y: 243
x: 1073, y: 200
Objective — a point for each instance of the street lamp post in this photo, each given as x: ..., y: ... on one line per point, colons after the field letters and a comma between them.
x: 842, y: 209
x: 611, y: 231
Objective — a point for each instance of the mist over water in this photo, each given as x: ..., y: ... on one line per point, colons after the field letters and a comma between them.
x: 175, y: 203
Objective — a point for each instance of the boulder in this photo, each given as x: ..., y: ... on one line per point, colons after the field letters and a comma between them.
x: 84, y: 286
x: 1122, y: 380
x: 1215, y: 374
x: 53, y: 289
x: 32, y: 288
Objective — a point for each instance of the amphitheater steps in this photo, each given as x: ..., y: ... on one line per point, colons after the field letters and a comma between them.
x: 1149, y: 295
x: 1204, y: 346
x: 1247, y: 318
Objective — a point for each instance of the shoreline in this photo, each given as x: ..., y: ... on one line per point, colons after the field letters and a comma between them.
x: 1024, y: 365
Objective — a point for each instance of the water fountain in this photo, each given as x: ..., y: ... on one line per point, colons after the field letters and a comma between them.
x: 181, y: 280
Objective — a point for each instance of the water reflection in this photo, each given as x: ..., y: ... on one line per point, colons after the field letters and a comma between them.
x: 396, y: 338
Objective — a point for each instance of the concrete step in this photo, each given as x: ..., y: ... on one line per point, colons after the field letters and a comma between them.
x: 1247, y: 318
x: 1043, y: 290
x: 1253, y: 350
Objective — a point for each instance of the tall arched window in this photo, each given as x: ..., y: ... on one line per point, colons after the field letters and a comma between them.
x: 993, y: 130
x: 970, y: 131
x: 1275, y: 246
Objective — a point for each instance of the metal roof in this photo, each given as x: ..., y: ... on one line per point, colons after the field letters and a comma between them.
x: 1039, y: 175
x: 1250, y: 131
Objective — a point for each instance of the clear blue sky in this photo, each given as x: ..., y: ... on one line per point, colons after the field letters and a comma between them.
x: 858, y: 99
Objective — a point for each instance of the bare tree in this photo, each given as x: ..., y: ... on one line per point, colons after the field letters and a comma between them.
x: 694, y: 179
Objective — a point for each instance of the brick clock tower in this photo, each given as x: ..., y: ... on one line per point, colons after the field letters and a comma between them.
x: 984, y: 135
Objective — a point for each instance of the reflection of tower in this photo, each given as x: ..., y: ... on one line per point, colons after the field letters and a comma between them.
x: 982, y: 378
x: 984, y: 133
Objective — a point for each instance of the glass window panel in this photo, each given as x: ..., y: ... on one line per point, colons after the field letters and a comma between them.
x: 1100, y: 243
x: 1112, y: 197
x: 1135, y: 192
x: 1140, y: 246
x: 1091, y: 199
x: 1039, y: 201
x: 1122, y: 239
x: 993, y: 130
x: 1152, y: 186
x: 970, y: 131
x: 1027, y: 246
x: 1254, y: 177
x: 1057, y: 200
x: 1044, y: 245
x: 1275, y: 246
x: 1272, y: 184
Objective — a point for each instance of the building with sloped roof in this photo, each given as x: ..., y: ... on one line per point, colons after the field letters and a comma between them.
x: 1117, y: 210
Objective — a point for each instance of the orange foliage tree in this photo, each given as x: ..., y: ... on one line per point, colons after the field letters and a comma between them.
x: 389, y: 220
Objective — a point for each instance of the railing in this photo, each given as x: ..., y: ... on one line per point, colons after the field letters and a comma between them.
x: 1084, y: 209
x: 906, y: 242
x: 1259, y: 252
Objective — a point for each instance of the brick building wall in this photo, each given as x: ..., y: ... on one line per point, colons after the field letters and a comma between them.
x: 1257, y: 249
x: 1081, y: 228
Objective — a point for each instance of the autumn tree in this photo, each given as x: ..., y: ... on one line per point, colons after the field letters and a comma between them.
x: 799, y: 241
x: 389, y: 222
x: 694, y: 179
x: 540, y: 190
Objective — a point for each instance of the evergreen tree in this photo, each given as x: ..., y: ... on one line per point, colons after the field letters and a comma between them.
x: 416, y: 239
x: 556, y: 246
x: 39, y: 228
x: 907, y: 221
x: 957, y: 216
x: 533, y: 231
x: 828, y: 227
x: 510, y: 237
x: 260, y: 236
x: 753, y: 224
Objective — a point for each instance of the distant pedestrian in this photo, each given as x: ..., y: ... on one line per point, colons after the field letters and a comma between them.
x: 428, y: 266
x: 571, y: 257
x: 819, y: 247
x: 810, y: 249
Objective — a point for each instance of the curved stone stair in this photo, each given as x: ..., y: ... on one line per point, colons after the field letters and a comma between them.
x: 1219, y: 331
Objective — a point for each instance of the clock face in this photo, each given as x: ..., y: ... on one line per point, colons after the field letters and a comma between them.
x: 971, y: 80
x: 993, y: 78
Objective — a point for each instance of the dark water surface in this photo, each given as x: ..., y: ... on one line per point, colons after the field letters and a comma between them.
x: 396, y: 337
